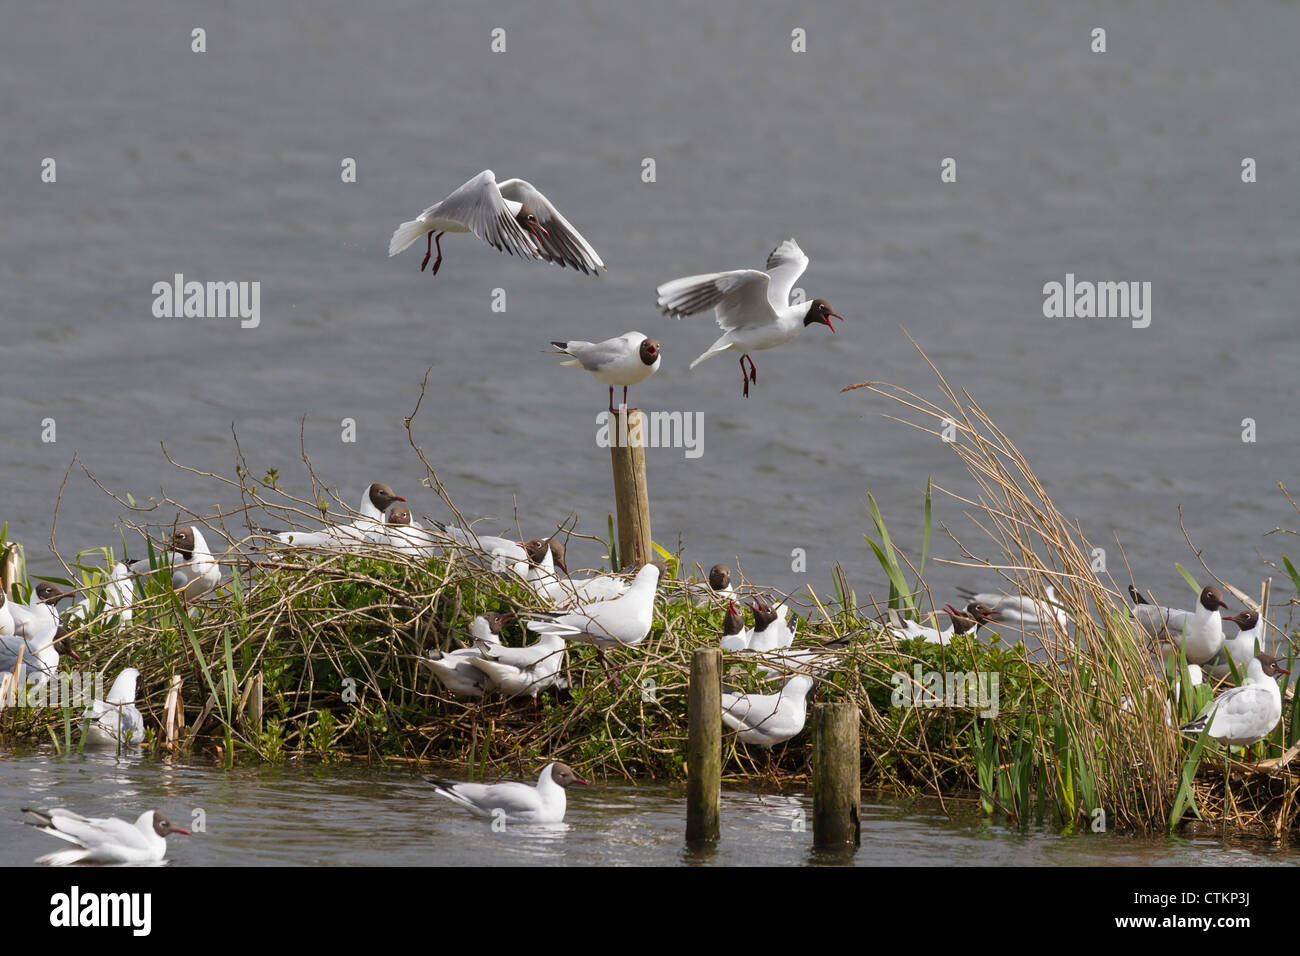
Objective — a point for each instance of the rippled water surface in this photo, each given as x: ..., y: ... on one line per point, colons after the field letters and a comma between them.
x: 225, y: 165
x: 346, y: 815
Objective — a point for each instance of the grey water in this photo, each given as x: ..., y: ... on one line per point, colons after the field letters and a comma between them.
x: 225, y: 165
x: 348, y: 815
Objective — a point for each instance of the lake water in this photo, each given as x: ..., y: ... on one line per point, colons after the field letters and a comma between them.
x: 225, y: 165
x: 345, y: 815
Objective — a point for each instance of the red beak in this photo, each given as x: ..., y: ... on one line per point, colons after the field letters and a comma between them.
x: 180, y: 831
x: 830, y: 316
x: 402, y: 500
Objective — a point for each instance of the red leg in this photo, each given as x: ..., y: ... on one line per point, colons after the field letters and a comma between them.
x: 625, y: 396
x: 428, y: 251
x: 753, y: 369
x: 611, y: 400
x: 437, y: 241
x: 744, y: 376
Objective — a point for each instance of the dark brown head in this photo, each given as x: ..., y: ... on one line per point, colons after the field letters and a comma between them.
x: 1246, y: 620
x: 819, y: 310
x: 734, y: 622
x: 650, y: 351
x: 527, y: 219
x: 1272, y: 665
x: 970, y: 617
x: 63, y: 643
x: 47, y: 592
x: 400, y: 515
x: 183, y: 542
x: 563, y: 774
x: 538, y: 546
x: 763, y: 614
x: 495, y: 620
x: 1211, y: 600
x: 557, y: 553
x: 381, y: 496
x: 719, y: 577
x: 162, y: 826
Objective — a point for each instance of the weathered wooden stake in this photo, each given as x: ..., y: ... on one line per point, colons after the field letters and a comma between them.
x: 704, y: 746
x: 255, y: 702
x: 631, y: 497
x: 837, y: 782
x: 173, y: 711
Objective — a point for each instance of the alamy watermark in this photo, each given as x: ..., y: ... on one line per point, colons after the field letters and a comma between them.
x: 949, y: 689
x: 1098, y: 300
x: 65, y: 689
x: 208, y: 300
x: 657, y: 429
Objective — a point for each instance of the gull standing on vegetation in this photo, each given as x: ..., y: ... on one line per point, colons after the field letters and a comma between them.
x: 1240, y: 716
x: 522, y: 671
x: 963, y: 622
x: 1241, y: 647
x: 564, y: 592
x: 505, y: 555
x: 770, y: 629
x: 116, y: 723
x: 627, y: 359
x: 37, y: 622
x: 40, y: 653
x: 370, y: 521
x: 1018, y: 610
x: 520, y: 803
x: 104, y: 839
x: 718, y: 587
x: 768, y: 719
x: 752, y: 308
x: 512, y: 217
x: 618, y: 622
x: 194, y: 571
x: 735, y: 636
x: 1199, y: 632
x: 454, y: 670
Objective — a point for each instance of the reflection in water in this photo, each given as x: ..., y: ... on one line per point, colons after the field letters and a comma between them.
x: 347, y: 815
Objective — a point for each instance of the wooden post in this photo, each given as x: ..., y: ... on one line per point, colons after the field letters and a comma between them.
x: 837, y: 782
x: 173, y: 711
x: 255, y: 702
x: 631, y: 497
x: 704, y: 746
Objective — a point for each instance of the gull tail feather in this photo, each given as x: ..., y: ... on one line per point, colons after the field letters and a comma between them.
x: 406, y: 234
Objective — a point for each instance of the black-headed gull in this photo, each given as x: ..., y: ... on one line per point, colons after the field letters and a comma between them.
x: 716, y: 588
x: 1199, y: 632
x: 104, y: 839
x: 1021, y: 611
x: 502, y: 554
x: 39, y: 653
x: 453, y: 669
x: 369, y: 522
x: 621, y: 621
x: 522, y: 671
x: 618, y: 622
x: 512, y: 216
x: 752, y: 308
x: 735, y: 636
x: 1241, y: 647
x: 770, y: 629
x: 564, y: 591
x: 518, y: 802
x: 1240, y: 716
x: 115, y: 723
x: 768, y: 719
x: 624, y: 360
x: 194, y: 570
x: 963, y: 621
x: 39, y: 620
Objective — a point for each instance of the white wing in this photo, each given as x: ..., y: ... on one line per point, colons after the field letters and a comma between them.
x: 562, y: 244
x: 738, y: 298
x: 479, y: 207
x: 785, y: 265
